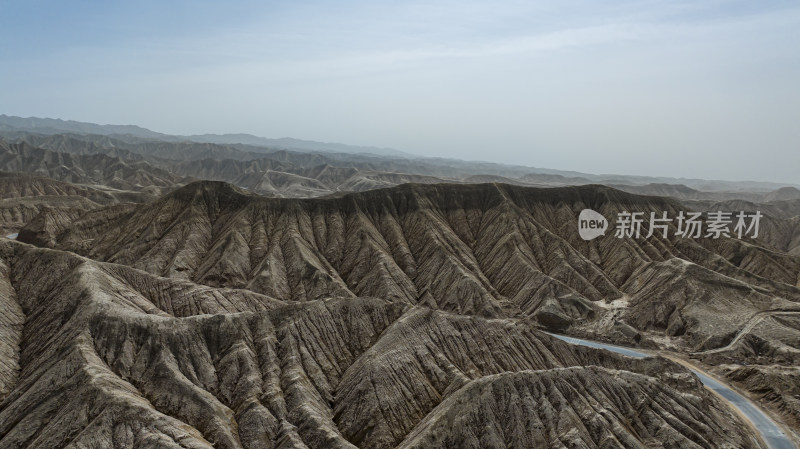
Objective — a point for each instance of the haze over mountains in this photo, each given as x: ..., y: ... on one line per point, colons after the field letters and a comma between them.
x: 60, y: 135
x: 56, y: 126
x: 165, y: 292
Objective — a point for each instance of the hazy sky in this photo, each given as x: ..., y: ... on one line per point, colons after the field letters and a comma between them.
x: 696, y: 88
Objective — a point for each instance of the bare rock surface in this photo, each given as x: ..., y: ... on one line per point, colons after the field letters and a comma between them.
x: 110, y: 356
x: 369, y: 313
x: 489, y: 250
x: 567, y: 407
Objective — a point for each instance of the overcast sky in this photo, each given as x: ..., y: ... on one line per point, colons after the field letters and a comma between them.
x: 707, y: 89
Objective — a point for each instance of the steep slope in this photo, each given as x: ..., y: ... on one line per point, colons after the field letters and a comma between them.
x: 492, y: 250
x: 110, y: 356
x: 520, y: 407
x: 778, y: 386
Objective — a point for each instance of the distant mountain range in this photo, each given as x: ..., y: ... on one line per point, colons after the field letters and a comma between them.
x: 157, y: 291
x: 58, y: 126
x: 288, y: 143
x: 252, y: 147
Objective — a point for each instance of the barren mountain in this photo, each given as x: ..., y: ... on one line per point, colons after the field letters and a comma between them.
x: 298, y: 299
x: 15, y: 213
x: 776, y: 385
x: 240, y: 164
x: 135, y: 164
x: 782, y: 194
x: 492, y: 250
x: 269, y: 177
x: 486, y: 250
x: 781, y: 223
x: 103, y: 355
x: 25, y: 196
x: 44, y: 126
x: 115, y: 172
x: 682, y: 192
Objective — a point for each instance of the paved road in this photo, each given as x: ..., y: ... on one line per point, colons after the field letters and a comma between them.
x: 770, y: 432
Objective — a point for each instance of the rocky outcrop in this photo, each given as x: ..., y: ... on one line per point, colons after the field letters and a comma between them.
x: 491, y: 250
x: 110, y: 356
x: 396, y: 317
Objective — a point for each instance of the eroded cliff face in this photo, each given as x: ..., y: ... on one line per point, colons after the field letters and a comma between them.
x: 489, y: 250
x: 111, y: 356
x: 492, y: 251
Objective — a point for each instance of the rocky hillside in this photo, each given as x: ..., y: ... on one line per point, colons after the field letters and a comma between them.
x: 490, y: 250
x: 96, y: 168
x: 103, y: 355
x: 23, y: 197
x: 781, y: 224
